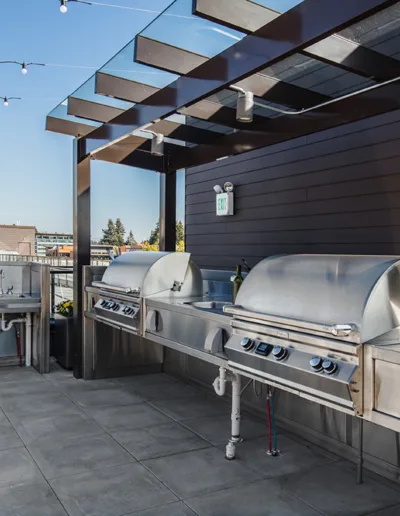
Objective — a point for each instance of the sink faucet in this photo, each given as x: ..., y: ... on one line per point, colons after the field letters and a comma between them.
x: 1, y: 282
x: 10, y: 290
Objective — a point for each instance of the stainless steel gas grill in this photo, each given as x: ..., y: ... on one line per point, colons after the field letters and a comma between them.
x: 133, y: 277
x: 115, y: 310
x: 301, y: 323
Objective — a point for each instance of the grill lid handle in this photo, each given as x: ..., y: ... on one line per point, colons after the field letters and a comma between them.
x: 343, y: 330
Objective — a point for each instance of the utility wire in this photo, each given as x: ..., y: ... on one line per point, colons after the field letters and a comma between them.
x: 102, y: 68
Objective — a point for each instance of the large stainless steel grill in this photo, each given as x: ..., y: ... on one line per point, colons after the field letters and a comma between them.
x: 302, y: 323
x: 133, y: 277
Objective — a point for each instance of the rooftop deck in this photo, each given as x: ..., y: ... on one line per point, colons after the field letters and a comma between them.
x: 152, y: 445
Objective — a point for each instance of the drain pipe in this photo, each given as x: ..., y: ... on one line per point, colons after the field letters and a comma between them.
x: 28, y: 323
x: 219, y: 385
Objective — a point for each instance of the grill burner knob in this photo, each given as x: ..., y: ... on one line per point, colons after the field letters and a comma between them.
x: 279, y: 353
x: 316, y: 364
x: 115, y: 307
x: 104, y: 302
x: 329, y: 367
x: 247, y: 344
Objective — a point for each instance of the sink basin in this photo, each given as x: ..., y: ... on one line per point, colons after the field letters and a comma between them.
x: 209, y: 305
x: 16, y: 303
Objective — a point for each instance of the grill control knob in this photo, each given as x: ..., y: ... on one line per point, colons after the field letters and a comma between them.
x: 329, y: 367
x: 279, y: 353
x: 103, y: 303
x: 115, y: 307
x: 316, y: 364
x: 247, y: 344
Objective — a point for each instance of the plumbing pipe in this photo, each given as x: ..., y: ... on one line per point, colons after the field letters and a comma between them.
x: 28, y: 339
x: 219, y: 383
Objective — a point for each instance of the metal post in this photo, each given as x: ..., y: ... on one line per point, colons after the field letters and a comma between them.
x: 167, y: 209
x: 81, y: 225
x: 53, y: 293
x: 360, y: 451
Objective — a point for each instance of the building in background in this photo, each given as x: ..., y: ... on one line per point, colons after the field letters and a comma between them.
x: 98, y: 251
x: 17, y: 239
x: 46, y: 241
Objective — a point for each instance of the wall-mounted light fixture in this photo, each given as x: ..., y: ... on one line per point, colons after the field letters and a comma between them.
x: 245, y: 107
x: 225, y: 199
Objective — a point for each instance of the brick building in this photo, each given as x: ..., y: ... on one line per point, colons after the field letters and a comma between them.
x: 17, y: 239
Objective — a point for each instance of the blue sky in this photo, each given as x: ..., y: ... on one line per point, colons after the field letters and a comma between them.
x: 35, y: 165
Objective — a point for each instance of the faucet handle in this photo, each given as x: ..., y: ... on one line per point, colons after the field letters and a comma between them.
x: 10, y: 290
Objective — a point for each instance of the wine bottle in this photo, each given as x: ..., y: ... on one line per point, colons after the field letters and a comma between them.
x: 237, y: 282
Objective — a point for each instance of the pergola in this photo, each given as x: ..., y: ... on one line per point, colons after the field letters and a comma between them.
x: 321, y: 64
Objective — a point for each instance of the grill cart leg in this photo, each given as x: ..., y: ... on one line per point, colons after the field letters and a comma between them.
x: 360, y: 451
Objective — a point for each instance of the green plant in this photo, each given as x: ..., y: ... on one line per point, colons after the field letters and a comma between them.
x: 65, y: 308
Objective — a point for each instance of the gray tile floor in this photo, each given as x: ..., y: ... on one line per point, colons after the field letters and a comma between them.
x: 153, y: 446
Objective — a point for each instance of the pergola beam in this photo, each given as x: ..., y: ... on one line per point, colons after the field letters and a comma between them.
x: 62, y: 126
x: 334, y: 50
x: 368, y: 104
x: 302, y: 26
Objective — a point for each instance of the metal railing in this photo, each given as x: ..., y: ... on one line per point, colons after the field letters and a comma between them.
x: 54, y: 261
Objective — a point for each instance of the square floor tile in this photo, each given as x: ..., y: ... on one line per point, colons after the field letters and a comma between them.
x: 87, y: 396
x: 166, y: 389
x: 158, y: 441
x: 8, y: 436
x: 293, y: 457
x: 18, y: 469
x: 143, y: 381
x: 256, y: 499
x: 34, y: 500
x: 172, y: 509
x: 199, y: 472
x: 23, y: 374
x: 62, y: 457
x: 20, y: 388
x: 390, y: 511
x: 333, y: 490
x: 56, y: 427
x: 191, y: 407
x: 111, y: 491
x: 125, y: 417
x: 38, y: 405
x: 217, y: 429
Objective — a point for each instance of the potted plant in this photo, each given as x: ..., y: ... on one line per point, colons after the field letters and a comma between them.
x: 62, y: 341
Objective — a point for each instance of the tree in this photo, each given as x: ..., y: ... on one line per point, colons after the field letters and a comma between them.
x: 149, y: 247
x: 131, y: 239
x: 155, y: 235
x: 180, y: 231
x: 154, y: 239
x: 109, y: 234
x: 119, y: 233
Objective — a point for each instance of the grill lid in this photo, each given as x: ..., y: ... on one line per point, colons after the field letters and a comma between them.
x: 355, y: 297
x: 145, y: 273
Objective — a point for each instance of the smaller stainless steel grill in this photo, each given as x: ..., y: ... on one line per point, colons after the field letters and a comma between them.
x: 134, y: 277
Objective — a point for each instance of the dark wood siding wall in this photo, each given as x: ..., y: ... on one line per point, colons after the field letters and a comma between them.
x: 337, y: 191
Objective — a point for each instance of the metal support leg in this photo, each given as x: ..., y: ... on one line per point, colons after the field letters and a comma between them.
x: 360, y: 451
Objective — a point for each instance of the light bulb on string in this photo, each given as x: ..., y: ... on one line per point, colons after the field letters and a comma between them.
x: 24, y: 69
x: 5, y: 102
x: 63, y: 7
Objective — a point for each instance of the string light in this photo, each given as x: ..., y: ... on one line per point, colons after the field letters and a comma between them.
x: 6, y: 99
x: 63, y: 8
x: 24, y: 65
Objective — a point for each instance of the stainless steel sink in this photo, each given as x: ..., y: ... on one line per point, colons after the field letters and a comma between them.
x: 16, y: 303
x: 209, y: 305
